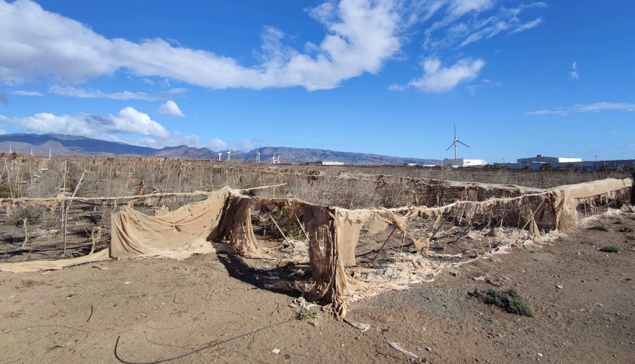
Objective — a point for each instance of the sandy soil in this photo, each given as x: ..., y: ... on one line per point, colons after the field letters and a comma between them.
x: 214, y: 309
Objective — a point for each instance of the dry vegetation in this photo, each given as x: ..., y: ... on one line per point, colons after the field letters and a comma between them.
x: 30, y: 234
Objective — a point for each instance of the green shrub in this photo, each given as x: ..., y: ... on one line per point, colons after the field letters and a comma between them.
x: 509, y: 300
x: 5, y: 191
x: 610, y: 249
x: 308, y: 314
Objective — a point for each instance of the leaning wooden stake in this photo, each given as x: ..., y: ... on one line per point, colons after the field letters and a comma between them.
x: 302, y: 227
x: 382, y: 247
x: 280, y: 230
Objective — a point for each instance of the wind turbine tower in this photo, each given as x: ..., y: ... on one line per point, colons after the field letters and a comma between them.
x: 456, y: 140
x: 220, y: 157
x: 229, y: 154
x: 257, y: 156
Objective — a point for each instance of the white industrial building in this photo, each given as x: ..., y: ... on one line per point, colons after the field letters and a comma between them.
x: 463, y: 162
x: 538, y: 161
x: 332, y: 163
x: 542, y: 159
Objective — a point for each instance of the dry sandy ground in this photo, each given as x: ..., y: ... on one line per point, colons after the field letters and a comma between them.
x: 155, y: 309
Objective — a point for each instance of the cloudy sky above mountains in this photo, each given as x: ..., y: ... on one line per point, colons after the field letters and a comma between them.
x: 377, y: 76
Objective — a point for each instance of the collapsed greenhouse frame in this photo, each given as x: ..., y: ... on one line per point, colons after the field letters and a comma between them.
x: 332, y: 233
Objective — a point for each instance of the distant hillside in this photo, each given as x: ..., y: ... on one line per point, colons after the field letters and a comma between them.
x: 185, y: 152
x: 77, y: 145
x: 303, y: 155
x: 67, y: 145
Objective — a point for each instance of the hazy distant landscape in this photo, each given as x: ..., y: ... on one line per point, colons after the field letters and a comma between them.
x: 66, y: 145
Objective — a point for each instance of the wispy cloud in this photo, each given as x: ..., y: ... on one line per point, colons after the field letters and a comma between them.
x: 124, y: 95
x: 26, y: 93
x: 441, y: 79
x: 586, y: 108
x: 574, y: 71
x: 170, y: 108
x: 396, y: 87
x: 483, y: 83
x: 528, y: 25
x: 463, y: 22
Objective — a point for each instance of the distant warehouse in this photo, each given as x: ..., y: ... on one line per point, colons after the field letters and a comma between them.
x: 332, y: 163
x: 464, y: 162
x: 540, y: 161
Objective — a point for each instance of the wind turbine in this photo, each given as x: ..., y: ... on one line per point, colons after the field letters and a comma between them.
x: 257, y: 156
x: 456, y: 140
x: 229, y: 154
x: 220, y: 156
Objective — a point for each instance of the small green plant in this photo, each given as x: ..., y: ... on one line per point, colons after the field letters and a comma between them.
x: 602, y: 226
x: 509, y: 300
x: 5, y: 191
x: 308, y: 314
x: 610, y: 249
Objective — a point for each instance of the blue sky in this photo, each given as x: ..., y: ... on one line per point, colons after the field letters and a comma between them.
x: 378, y: 76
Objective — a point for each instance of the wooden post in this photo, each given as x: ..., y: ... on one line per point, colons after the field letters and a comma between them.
x: 64, y: 222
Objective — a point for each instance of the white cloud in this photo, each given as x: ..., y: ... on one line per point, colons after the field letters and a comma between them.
x: 170, y: 108
x: 528, y: 25
x: 216, y: 144
x: 128, y: 120
x: 587, y: 108
x: 439, y: 79
x: 124, y: 95
x: 361, y: 36
x: 26, y: 93
x: 574, y: 71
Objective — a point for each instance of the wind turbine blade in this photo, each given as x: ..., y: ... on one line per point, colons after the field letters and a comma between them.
x: 451, y: 145
x: 463, y: 143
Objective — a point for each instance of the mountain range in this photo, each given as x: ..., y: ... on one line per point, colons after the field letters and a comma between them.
x: 58, y: 144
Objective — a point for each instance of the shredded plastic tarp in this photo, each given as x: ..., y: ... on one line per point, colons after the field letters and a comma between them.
x: 177, y: 234
x: 40, y: 265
